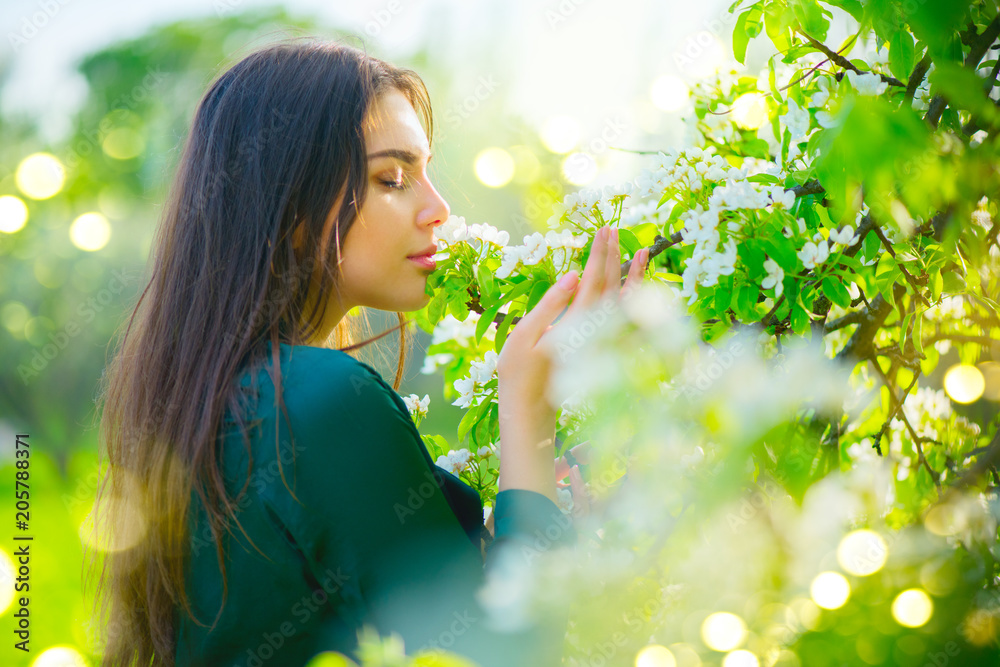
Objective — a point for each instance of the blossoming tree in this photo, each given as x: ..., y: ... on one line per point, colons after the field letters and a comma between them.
x: 779, y: 476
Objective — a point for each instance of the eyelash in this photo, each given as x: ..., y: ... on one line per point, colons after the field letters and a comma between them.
x: 393, y: 185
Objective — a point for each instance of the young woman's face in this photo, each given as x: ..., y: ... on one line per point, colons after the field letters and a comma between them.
x: 398, y: 217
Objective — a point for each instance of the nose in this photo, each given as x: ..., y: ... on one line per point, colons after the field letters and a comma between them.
x: 435, y: 209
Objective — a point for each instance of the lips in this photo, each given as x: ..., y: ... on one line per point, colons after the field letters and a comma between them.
x: 426, y: 252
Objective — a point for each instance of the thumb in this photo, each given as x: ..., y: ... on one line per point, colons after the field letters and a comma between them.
x: 555, y: 300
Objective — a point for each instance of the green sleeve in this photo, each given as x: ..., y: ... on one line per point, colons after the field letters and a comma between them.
x: 369, y: 505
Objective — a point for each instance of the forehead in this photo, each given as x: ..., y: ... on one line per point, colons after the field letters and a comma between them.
x: 393, y: 123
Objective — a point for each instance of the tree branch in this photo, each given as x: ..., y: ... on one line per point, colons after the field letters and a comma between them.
x: 847, y: 64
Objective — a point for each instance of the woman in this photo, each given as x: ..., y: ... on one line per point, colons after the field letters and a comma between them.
x: 268, y: 494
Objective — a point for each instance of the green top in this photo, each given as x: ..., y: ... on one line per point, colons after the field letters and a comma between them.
x: 378, y: 533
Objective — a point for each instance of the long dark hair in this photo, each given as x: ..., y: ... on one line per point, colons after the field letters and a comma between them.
x: 245, y: 257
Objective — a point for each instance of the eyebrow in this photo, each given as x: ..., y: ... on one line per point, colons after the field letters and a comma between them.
x: 406, y: 156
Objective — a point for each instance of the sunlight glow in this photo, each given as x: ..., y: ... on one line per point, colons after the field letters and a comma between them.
x: 741, y: 658
x: 912, y: 608
x: 750, y: 111
x: 59, y: 656
x: 13, y: 214
x: 723, y: 631
x: 40, y: 176
x: 655, y: 655
x: 90, y: 231
x: 964, y: 383
x: 494, y: 167
x: 862, y: 552
x: 830, y: 590
x: 7, y: 575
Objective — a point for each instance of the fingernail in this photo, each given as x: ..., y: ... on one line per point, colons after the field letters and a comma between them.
x: 568, y: 281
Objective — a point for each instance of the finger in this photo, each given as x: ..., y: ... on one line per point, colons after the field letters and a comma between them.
x: 637, y: 271
x: 613, y: 267
x: 592, y: 282
x: 582, y: 452
x: 581, y: 502
x: 531, y: 327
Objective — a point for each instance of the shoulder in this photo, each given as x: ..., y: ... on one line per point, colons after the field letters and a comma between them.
x: 328, y: 387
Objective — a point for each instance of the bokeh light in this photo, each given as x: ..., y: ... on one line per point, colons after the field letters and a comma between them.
x: 723, y: 631
x: 830, y: 590
x: 655, y: 655
x: 912, y: 608
x: 862, y: 552
x: 560, y: 134
x: 125, y: 510
x: 494, y: 167
x: 7, y: 574
x: 330, y: 659
x: 669, y: 93
x: 750, y: 111
x: 59, y: 656
x: 90, y: 231
x: 123, y: 143
x: 40, y: 176
x: 741, y: 658
x: 579, y: 168
x: 964, y: 383
x: 13, y: 214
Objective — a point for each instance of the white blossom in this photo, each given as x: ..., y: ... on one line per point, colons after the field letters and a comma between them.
x: 814, y: 254
x: 417, y: 406
x: 867, y: 84
x: 466, y: 388
x: 453, y: 230
x: 512, y: 256
x: 489, y: 234
x: 454, y: 461
x: 719, y: 264
x: 482, y: 371
x: 535, y: 249
x: 822, y: 96
x: 782, y: 198
x: 796, y: 120
x: 775, y: 274
x: 844, y: 236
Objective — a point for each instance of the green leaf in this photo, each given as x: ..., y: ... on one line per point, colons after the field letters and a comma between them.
x: 746, y: 298
x: 871, y: 246
x: 436, y: 308
x: 747, y: 27
x: 628, y: 241
x: 799, y: 319
x: 502, y: 329
x: 537, y: 292
x: 935, y: 22
x: 811, y: 18
x: 484, y: 320
x: 776, y: 21
x: 836, y: 292
x: 901, y: 55
x: 472, y: 417
x: 487, y: 284
x: 646, y: 233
